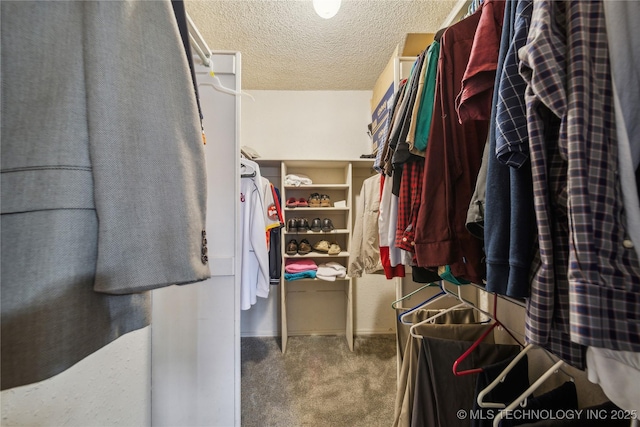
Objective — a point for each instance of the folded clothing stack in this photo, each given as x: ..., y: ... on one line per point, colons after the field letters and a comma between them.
x: 295, y: 269
x: 330, y: 271
x: 297, y: 180
x: 311, y: 274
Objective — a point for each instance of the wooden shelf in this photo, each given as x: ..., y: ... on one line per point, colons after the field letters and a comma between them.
x: 342, y: 254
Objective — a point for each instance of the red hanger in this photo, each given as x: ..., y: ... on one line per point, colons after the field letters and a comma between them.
x: 479, y: 340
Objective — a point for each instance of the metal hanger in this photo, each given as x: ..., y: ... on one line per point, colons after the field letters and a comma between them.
x: 394, y: 304
x: 463, y: 303
x: 403, y: 316
x: 437, y: 297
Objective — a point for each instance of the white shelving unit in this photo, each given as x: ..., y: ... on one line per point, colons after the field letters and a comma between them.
x: 314, y: 306
x: 333, y: 178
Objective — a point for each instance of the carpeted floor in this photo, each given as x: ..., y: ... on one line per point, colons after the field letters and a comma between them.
x: 318, y: 382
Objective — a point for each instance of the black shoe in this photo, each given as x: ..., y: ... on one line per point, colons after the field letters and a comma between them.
x: 303, y: 225
x: 327, y: 225
x: 316, y: 225
x: 292, y: 225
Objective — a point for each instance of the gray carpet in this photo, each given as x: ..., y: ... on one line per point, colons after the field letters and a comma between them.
x: 318, y: 382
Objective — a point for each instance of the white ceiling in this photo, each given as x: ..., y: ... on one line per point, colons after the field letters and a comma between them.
x: 286, y: 46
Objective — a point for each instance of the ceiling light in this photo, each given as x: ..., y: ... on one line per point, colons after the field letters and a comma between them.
x: 326, y: 8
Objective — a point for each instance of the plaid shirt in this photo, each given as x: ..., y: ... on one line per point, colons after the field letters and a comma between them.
x: 511, y: 124
x: 587, y: 282
x: 409, y: 203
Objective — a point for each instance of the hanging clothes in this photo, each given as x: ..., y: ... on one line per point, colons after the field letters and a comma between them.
x: 390, y: 256
x: 581, y: 232
x: 101, y: 199
x: 454, y: 325
x: 425, y: 109
x: 439, y: 394
x: 364, y: 255
x: 508, y: 390
x: 618, y: 372
x: 510, y: 230
x: 255, y: 222
x: 275, y: 242
x: 452, y: 161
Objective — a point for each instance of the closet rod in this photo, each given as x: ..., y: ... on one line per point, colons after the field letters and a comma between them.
x: 485, y: 313
x: 520, y: 303
x: 456, y: 13
x: 198, y: 42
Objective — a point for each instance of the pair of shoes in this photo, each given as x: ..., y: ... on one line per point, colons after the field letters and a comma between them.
x: 302, y: 248
x: 329, y: 248
x: 292, y: 202
x: 325, y: 225
x: 317, y: 200
x: 299, y: 225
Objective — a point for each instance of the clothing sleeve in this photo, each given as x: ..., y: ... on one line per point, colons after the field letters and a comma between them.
x: 356, y: 262
x: 474, y: 100
x: 271, y: 218
x: 259, y: 248
x: 146, y: 150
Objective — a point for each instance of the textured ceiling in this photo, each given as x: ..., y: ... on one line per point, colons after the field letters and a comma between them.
x: 286, y: 46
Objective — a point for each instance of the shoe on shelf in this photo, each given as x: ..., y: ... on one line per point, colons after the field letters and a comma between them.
x: 334, y: 249
x: 327, y: 225
x: 302, y: 203
x: 292, y: 202
x: 292, y: 225
x: 292, y: 247
x: 304, y: 247
x: 322, y: 246
x: 325, y: 201
x: 303, y: 225
x: 316, y: 225
x: 314, y: 200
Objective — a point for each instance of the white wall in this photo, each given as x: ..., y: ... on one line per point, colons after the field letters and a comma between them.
x: 314, y: 125
x: 320, y: 125
x: 111, y: 387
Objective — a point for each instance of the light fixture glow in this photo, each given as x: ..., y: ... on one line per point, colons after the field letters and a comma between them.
x: 326, y: 8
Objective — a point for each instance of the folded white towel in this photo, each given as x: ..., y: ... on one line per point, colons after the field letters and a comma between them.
x: 330, y: 271
x: 297, y: 180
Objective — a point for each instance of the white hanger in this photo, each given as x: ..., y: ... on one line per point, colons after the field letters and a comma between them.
x: 249, y: 168
x: 500, y: 378
x: 533, y: 387
x: 219, y: 86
